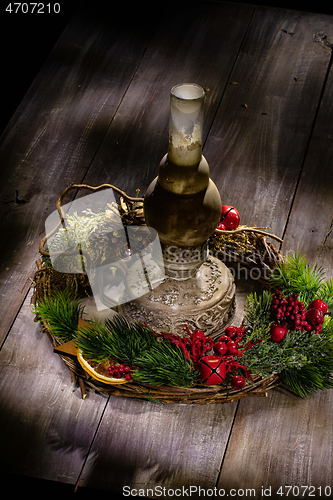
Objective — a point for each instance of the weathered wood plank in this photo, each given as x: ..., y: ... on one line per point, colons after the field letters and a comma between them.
x: 281, y: 440
x: 46, y: 426
x: 260, y: 134
x: 54, y: 134
x: 144, y: 445
x: 309, y: 230
x: 199, y: 45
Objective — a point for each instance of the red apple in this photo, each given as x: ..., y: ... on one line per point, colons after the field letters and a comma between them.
x: 318, y: 304
x: 278, y: 332
x: 314, y: 317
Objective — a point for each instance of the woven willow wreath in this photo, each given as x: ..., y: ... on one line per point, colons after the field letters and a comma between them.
x: 301, y: 360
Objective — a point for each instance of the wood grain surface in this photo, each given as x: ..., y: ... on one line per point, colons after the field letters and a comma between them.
x: 98, y: 112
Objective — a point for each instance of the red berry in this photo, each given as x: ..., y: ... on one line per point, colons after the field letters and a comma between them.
x: 221, y: 226
x: 121, y: 368
x: 116, y: 372
x: 229, y: 217
x: 128, y: 376
x: 220, y: 348
x: 224, y: 338
x: 278, y: 332
x: 232, y: 347
x: 198, y: 333
x: 237, y: 382
x: 231, y: 332
x: 127, y: 369
x: 318, y: 304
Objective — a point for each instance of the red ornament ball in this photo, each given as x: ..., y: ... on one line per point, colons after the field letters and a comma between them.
x: 318, y: 304
x: 237, y: 382
x: 220, y: 348
x: 278, y: 332
x: 212, y: 370
x: 230, y: 217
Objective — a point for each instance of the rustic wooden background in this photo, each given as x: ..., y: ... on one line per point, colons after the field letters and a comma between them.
x: 97, y: 112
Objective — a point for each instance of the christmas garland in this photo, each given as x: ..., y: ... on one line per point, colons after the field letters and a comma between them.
x: 287, y: 330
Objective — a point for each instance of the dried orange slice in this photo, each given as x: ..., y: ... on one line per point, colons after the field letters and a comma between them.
x: 91, y: 369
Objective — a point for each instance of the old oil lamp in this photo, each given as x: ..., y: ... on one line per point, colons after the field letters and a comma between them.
x: 183, y: 205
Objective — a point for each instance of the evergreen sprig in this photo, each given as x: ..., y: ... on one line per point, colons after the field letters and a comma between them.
x: 116, y: 339
x: 60, y: 311
x: 317, y: 373
x: 165, y: 364
x: 296, y: 275
x: 159, y: 362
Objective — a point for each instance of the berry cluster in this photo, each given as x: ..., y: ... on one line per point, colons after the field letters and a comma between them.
x: 120, y: 371
x: 289, y: 312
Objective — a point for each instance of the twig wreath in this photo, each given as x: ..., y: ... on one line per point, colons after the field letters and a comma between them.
x: 286, y: 336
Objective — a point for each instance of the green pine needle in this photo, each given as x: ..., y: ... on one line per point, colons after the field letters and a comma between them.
x: 116, y: 339
x: 60, y: 312
x: 165, y: 364
x: 295, y: 275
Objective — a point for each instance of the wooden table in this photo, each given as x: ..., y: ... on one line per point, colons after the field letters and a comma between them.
x: 98, y: 112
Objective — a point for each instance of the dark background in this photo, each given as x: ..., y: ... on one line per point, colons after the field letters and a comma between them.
x: 25, y: 41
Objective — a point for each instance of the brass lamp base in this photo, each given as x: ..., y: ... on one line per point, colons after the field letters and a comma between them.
x: 206, y: 302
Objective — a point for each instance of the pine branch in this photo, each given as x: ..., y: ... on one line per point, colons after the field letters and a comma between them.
x: 60, y: 312
x: 117, y: 339
x: 257, y: 315
x: 159, y: 361
x: 295, y: 275
x: 165, y: 364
